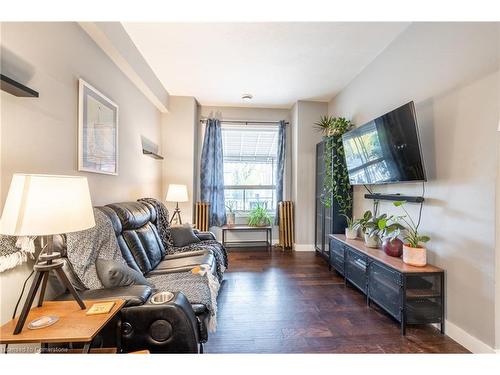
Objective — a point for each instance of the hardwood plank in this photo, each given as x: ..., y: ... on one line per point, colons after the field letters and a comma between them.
x: 288, y: 302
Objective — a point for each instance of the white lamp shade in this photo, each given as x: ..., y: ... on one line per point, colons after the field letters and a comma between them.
x: 177, y: 193
x: 39, y: 205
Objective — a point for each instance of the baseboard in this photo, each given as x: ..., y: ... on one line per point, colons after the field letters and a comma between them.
x: 303, y: 247
x: 467, y: 340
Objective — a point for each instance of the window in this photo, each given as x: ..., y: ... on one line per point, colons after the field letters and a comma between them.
x: 250, y: 166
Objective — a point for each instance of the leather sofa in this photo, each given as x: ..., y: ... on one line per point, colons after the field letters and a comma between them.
x: 174, y: 327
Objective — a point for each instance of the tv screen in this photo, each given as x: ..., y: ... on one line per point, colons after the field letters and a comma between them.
x: 385, y: 150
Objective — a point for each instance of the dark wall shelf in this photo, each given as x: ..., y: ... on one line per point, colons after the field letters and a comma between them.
x: 152, y: 154
x: 15, y: 88
x: 395, y: 197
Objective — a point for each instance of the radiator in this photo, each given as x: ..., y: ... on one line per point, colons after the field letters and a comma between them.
x: 286, y: 224
x: 202, y: 214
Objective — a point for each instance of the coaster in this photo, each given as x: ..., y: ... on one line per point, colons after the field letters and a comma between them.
x: 43, y: 321
x: 100, y: 308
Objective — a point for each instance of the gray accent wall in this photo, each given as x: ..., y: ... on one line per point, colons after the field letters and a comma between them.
x: 180, y: 127
x: 450, y: 71
x: 304, y: 140
x: 39, y: 135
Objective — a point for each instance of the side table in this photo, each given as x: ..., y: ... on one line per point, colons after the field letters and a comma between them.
x: 247, y: 228
x: 73, y: 326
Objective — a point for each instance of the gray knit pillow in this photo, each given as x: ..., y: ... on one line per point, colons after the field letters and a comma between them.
x: 114, y: 274
x: 183, y: 235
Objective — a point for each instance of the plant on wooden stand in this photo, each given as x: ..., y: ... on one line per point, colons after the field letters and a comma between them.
x: 414, y: 253
x: 336, y: 186
x: 259, y: 217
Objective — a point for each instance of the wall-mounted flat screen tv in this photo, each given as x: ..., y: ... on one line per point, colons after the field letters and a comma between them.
x: 385, y: 150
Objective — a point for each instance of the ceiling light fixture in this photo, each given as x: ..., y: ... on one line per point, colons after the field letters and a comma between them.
x: 247, y: 97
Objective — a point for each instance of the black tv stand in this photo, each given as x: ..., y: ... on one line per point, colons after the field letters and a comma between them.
x: 395, y: 197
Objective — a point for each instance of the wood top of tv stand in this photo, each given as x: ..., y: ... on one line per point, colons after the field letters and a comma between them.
x: 378, y: 254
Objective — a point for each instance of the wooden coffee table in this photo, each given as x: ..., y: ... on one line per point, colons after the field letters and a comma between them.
x: 73, y: 326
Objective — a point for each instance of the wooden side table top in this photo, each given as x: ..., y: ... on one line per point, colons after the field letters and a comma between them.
x: 73, y: 324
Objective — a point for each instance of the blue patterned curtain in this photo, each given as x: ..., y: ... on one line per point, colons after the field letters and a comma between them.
x: 280, y: 168
x: 212, y: 172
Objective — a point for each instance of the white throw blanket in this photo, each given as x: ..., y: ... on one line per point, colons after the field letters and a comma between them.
x: 86, y: 246
x: 15, y: 251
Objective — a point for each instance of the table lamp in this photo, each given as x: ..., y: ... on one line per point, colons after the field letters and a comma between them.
x: 177, y: 193
x: 44, y: 205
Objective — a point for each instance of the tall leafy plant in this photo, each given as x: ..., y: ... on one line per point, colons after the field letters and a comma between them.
x: 336, y: 184
x: 412, y: 238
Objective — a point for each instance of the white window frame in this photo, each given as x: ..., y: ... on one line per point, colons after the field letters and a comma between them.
x: 246, y: 213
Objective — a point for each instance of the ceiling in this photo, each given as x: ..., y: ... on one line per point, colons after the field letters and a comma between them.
x: 278, y: 63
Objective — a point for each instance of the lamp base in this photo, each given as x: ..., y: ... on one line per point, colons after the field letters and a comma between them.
x: 177, y: 214
x: 42, y: 270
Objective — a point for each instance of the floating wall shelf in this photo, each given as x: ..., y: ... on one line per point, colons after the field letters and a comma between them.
x: 152, y: 154
x: 15, y: 88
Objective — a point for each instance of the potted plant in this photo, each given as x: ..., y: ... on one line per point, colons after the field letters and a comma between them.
x: 351, y: 232
x: 230, y: 215
x: 414, y: 253
x: 336, y: 186
x: 369, y: 227
x: 390, y: 230
x: 259, y: 217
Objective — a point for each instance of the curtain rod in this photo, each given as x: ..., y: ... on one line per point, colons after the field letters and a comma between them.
x: 245, y: 122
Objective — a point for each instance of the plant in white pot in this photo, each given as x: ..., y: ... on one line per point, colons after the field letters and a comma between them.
x: 414, y: 253
x: 351, y: 232
x: 370, y: 228
x: 230, y: 215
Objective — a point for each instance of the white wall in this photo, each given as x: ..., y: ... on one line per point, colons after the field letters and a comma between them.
x: 304, y: 140
x: 450, y: 71
x: 39, y: 135
x: 497, y: 239
x: 179, y: 138
x: 247, y: 114
x: 116, y: 42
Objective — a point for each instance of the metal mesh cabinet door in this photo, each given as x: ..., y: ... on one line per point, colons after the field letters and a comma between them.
x: 385, y: 288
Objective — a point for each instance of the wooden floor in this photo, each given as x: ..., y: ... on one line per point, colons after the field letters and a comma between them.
x: 275, y: 302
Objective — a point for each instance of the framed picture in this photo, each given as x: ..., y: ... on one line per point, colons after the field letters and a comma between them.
x: 97, y: 131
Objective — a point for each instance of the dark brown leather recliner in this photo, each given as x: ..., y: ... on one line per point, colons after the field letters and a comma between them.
x: 175, y: 327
